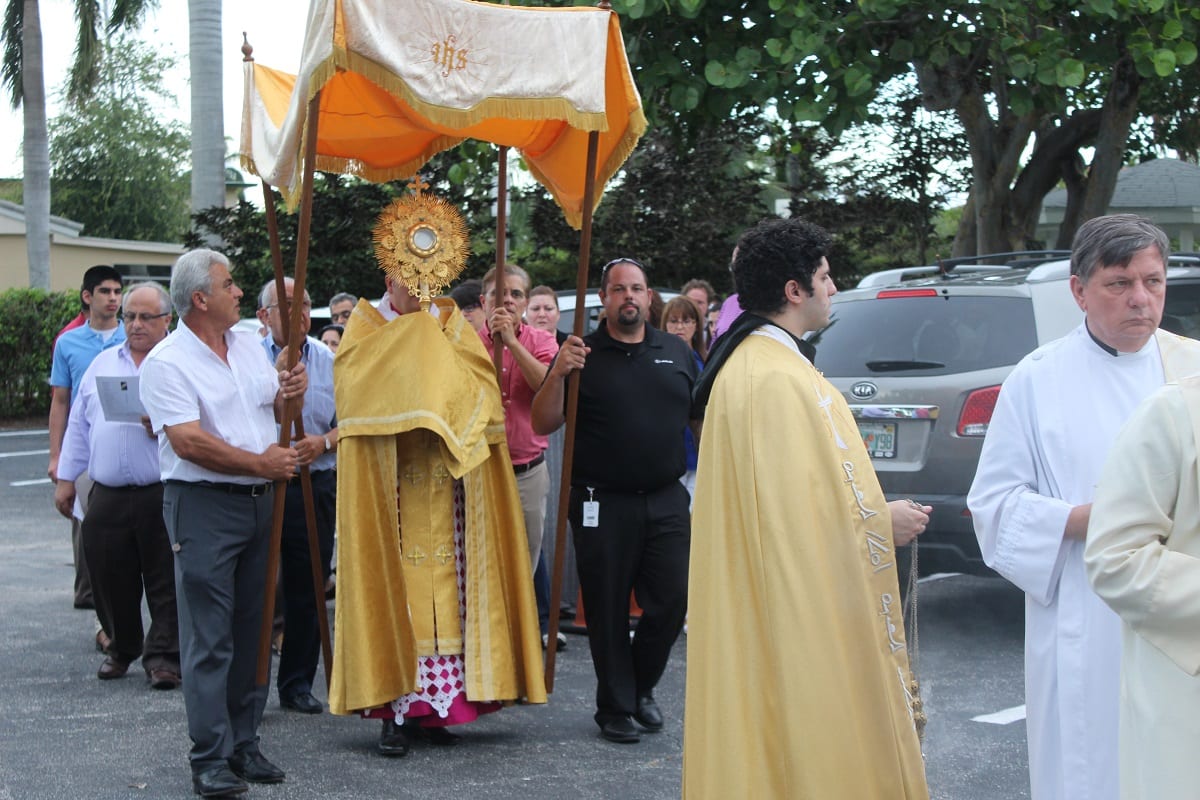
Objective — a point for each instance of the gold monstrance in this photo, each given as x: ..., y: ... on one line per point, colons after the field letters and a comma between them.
x: 422, y: 242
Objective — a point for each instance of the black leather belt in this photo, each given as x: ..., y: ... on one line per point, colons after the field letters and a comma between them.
x: 522, y: 468
x: 251, y: 489
x: 130, y: 487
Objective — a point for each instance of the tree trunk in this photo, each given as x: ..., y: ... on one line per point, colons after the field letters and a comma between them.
x: 1116, y: 118
x: 1089, y: 196
x: 1074, y: 175
x: 964, y: 237
x: 36, y: 147
x: 208, y: 122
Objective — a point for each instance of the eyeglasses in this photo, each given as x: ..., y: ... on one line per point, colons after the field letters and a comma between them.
x: 683, y: 322
x: 143, y: 317
x: 623, y: 260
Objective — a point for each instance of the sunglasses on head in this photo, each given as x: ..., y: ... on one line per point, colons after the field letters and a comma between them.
x: 604, y: 270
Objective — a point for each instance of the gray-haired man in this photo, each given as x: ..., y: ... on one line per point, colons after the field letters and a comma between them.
x: 214, y: 400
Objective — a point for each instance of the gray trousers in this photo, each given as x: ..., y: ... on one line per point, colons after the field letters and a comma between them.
x: 83, y: 580
x: 220, y: 542
x: 533, y: 485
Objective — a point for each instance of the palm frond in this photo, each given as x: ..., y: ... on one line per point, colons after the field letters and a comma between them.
x: 85, y: 69
x: 14, y: 61
x: 128, y: 14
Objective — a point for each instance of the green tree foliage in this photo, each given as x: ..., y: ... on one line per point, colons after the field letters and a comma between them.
x: 115, y: 164
x: 920, y: 167
x: 29, y: 321
x: 1060, y: 75
x: 678, y: 207
x: 21, y: 71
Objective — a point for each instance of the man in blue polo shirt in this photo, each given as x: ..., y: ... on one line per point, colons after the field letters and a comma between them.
x: 73, y: 354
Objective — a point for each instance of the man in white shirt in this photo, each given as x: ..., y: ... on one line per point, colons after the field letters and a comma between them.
x: 1057, y: 415
x: 124, y: 538
x: 214, y: 401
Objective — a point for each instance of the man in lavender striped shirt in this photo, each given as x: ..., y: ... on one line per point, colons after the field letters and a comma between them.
x: 124, y: 537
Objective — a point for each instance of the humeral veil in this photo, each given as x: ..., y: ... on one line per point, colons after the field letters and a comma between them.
x: 399, y: 393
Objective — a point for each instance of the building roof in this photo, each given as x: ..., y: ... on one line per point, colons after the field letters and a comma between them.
x: 14, y: 215
x: 1161, y: 183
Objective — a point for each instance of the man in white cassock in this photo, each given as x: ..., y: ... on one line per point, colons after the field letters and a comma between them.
x: 1055, y: 420
x: 1143, y: 558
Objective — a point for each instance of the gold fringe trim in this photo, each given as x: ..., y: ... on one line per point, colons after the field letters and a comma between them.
x: 532, y: 109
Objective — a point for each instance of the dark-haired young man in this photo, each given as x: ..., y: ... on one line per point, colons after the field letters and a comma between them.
x: 628, y: 510
x: 73, y: 353
x: 797, y: 681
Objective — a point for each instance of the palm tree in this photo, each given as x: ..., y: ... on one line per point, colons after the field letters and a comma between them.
x: 208, y: 123
x: 22, y: 72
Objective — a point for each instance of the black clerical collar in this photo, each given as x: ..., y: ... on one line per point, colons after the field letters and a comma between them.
x: 1110, y: 350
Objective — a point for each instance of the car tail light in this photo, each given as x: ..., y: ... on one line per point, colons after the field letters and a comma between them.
x: 906, y: 293
x: 977, y: 411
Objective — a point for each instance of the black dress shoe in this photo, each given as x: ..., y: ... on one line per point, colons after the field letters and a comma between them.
x: 251, y: 765
x: 392, y: 741
x: 620, y: 730
x: 647, y: 714
x: 303, y: 702
x: 218, y: 781
x: 436, y: 735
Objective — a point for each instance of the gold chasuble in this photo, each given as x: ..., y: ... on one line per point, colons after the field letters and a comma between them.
x: 797, y: 669
x: 419, y: 409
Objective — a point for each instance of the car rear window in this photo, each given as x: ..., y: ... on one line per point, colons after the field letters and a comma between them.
x: 1181, y: 313
x: 925, y: 335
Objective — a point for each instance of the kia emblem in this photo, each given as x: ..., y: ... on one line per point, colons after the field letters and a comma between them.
x: 863, y: 390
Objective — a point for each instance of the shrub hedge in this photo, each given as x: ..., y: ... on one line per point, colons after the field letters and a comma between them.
x: 29, y: 320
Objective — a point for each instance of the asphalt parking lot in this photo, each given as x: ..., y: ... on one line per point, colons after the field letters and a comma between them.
x: 64, y: 734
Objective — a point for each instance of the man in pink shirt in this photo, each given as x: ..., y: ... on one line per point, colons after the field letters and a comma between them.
x: 528, y: 352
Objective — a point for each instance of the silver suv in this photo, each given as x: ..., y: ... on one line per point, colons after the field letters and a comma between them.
x: 920, y: 361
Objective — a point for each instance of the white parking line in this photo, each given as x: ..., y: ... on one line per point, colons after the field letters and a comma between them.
x: 9, y: 434
x: 1008, y: 715
x: 30, y: 483
x: 25, y: 453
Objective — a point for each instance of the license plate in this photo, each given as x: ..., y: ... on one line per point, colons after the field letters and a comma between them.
x: 879, y: 438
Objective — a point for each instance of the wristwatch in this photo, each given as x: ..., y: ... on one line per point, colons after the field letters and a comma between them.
x: 328, y: 446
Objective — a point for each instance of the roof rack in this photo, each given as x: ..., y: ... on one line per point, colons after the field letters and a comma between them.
x: 987, y: 262
x: 1014, y: 259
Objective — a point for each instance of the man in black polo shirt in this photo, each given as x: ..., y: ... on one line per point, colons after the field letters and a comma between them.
x: 628, y: 510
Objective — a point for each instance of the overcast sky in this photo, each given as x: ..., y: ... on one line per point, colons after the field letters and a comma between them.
x: 275, y: 27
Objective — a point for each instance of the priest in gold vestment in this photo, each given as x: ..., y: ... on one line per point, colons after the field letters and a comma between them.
x: 798, y: 681
x: 435, y: 619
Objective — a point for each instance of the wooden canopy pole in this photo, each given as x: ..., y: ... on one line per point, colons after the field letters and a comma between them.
x: 314, y: 547
x: 564, y: 494
x: 501, y: 254
x: 292, y: 418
